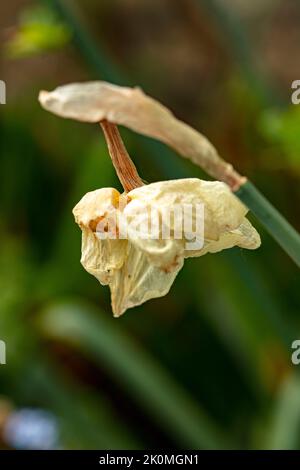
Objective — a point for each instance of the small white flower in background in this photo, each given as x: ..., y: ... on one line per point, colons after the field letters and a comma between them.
x: 31, y: 429
x: 140, y: 267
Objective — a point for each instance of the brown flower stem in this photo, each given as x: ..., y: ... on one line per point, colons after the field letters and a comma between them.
x: 124, y: 166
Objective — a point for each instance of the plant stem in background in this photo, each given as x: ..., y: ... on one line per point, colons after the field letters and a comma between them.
x: 285, y: 235
x: 234, y: 32
x: 96, y: 59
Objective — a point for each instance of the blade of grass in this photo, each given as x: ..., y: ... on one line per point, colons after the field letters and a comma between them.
x: 106, y: 69
x: 278, y: 227
x: 229, y: 309
x: 284, y: 429
x: 95, y: 57
x: 240, y: 47
x: 146, y: 380
x: 87, y: 422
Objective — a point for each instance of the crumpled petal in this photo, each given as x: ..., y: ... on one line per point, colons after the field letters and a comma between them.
x: 138, y: 281
x: 132, y: 278
x: 245, y: 236
x: 99, y: 257
x: 138, y: 267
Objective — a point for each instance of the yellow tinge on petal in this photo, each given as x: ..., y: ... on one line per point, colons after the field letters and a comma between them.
x: 132, y: 278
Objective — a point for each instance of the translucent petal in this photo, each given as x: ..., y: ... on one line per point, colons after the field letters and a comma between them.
x: 138, y: 281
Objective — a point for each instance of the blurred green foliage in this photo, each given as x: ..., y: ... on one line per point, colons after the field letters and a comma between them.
x: 208, y: 366
x: 281, y: 128
x: 39, y: 30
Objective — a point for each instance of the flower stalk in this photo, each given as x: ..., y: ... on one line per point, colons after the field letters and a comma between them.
x: 285, y: 235
x: 124, y: 166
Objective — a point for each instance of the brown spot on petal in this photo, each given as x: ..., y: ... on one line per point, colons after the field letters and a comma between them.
x: 94, y: 223
x: 172, y: 266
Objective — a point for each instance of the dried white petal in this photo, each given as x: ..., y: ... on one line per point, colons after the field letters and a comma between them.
x: 245, y: 236
x: 224, y: 211
x: 138, y: 281
x: 101, y: 258
x: 126, y: 269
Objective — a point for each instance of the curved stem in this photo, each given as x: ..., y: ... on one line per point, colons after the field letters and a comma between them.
x: 124, y: 166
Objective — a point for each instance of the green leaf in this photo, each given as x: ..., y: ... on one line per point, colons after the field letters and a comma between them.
x: 39, y: 31
x: 147, y: 381
x: 284, y: 429
x: 281, y: 129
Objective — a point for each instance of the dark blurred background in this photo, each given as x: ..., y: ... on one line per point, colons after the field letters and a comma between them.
x: 209, y: 365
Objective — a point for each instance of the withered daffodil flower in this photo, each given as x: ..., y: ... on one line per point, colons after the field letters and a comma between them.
x: 136, y: 242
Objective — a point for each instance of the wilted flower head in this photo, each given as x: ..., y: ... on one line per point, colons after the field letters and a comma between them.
x: 138, y: 268
x: 136, y: 242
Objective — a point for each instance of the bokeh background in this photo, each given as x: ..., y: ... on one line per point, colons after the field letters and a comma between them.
x: 209, y: 365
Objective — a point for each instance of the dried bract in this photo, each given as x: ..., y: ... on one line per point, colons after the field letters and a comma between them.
x: 130, y: 107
